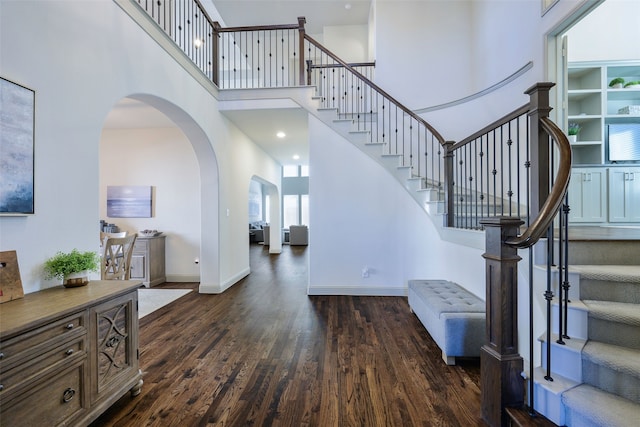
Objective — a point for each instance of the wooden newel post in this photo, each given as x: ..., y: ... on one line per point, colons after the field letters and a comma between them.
x: 501, y: 366
x: 449, y: 184
x: 215, y: 72
x: 301, y: 32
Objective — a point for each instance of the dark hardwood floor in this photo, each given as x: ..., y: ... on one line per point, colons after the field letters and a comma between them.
x: 264, y: 353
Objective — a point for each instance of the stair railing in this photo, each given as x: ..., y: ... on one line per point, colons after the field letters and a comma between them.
x: 354, y: 96
x: 515, y: 161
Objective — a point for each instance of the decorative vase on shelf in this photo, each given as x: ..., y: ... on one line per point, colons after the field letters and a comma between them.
x: 573, y: 138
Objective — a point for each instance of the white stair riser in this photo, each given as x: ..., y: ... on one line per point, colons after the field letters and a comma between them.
x: 577, y: 321
x: 563, y: 359
x: 549, y: 403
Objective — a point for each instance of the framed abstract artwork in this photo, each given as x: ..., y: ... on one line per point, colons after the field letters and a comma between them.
x: 129, y: 201
x: 17, y: 124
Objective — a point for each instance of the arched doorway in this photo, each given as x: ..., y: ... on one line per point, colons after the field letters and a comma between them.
x: 154, y: 140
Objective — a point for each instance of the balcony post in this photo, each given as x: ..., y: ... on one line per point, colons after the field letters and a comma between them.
x: 216, y: 51
x: 301, y: 21
x: 539, y: 149
x: 501, y: 366
x: 449, y: 183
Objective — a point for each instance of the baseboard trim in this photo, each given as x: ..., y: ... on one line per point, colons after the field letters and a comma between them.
x: 183, y: 278
x: 379, y: 291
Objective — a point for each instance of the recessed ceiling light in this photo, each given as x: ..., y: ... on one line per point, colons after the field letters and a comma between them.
x: 296, y: 157
x: 197, y: 42
x: 281, y: 134
x: 347, y: 6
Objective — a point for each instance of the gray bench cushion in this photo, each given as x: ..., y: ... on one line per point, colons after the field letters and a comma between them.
x: 454, y: 317
x: 447, y: 297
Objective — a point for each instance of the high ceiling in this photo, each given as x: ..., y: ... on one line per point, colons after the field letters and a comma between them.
x: 260, y: 125
x: 318, y: 13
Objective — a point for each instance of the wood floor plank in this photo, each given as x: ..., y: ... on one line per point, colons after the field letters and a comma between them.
x: 264, y: 353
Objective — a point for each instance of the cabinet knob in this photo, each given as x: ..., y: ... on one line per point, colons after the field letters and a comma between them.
x: 1, y: 355
x: 69, y: 352
x: 1, y: 387
x: 70, y: 326
x: 68, y: 395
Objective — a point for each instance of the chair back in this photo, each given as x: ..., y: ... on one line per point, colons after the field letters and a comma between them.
x: 104, y: 235
x: 116, y: 259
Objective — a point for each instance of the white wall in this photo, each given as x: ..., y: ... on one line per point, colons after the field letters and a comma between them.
x: 365, y: 218
x: 164, y: 159
x: 81, y: 58
x: 349, y: 42
x: 433, y: 52
x: 620, y: 21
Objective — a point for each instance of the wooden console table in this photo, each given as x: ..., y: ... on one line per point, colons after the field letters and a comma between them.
x: 67, y: 354
x: 148, y: 260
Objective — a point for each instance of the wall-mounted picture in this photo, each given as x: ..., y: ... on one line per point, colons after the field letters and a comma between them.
x: 17, y: 123
x: 129, y: 201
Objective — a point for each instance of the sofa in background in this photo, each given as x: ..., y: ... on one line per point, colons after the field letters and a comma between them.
x: 298, y: 235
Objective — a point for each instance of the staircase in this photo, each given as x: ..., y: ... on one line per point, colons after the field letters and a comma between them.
x: 596, y: 374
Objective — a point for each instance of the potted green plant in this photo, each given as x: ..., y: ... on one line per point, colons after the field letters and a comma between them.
x: 573, y: 131
x: 634, y: 84
x: 616, y: 83
x: 72, y: 268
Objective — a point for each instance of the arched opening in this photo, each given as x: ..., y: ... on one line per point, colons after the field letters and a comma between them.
x: 148, y: 141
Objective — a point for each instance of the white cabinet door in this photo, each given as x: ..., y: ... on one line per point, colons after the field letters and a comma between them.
x: 624, y: 195
x: 587, y: 195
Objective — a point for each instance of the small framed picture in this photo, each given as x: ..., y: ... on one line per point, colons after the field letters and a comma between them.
x: 129, y: 201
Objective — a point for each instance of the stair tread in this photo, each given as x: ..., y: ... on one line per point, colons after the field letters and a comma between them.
x: 613, y: 273
x: 575, y: 344
x: 559, y: 384
x: 602, y: 408
x: 614, y: 311
x: 622, y: 359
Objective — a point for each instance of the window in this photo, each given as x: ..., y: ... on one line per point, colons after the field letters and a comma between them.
x: 290, y: 170
x: 304, y: 170
x: 290, y: 214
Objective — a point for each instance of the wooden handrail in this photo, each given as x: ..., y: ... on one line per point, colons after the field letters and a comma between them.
x: 406, y: 110
x: 259, y: 28
x: 507, y: 118
x: 547, y: 213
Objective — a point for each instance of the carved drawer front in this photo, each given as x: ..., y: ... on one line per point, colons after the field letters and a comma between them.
x: 33, y: 368
x: 49, y: 403
x: 35, y: 342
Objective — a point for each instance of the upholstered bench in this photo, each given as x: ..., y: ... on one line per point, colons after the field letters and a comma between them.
x: 453, y: 316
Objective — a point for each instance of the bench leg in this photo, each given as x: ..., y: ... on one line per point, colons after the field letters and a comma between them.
x: 449, y: 360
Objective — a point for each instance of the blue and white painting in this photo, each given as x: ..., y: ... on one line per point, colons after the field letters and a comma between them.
x: 129, y: 201
x: 16, y: 148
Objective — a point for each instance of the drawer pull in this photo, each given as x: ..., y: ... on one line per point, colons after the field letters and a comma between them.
x: 1, y: 355
x: 68, y: 395
x: 69, y: 352
x: 1, y: 387
x: 70, y: 326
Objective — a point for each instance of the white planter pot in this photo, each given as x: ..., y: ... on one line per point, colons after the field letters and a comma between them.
x: 572, y: 138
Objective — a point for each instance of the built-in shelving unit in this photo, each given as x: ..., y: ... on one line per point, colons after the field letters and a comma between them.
x: 600, y: 192
x: 593, y: 104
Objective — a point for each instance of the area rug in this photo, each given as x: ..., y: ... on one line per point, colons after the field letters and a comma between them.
x: 149, y: 300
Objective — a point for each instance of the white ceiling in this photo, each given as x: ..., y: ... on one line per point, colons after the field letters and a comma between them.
x: 318, y: 13
x: 259, y: 125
